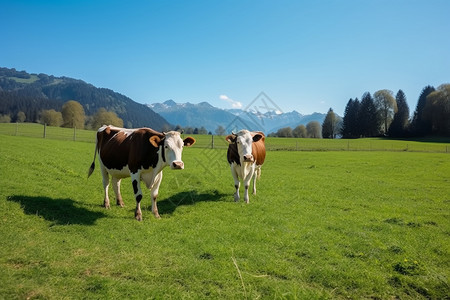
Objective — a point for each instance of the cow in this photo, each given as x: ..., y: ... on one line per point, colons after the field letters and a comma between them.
x: 141, y: 154
x: 246, y: 154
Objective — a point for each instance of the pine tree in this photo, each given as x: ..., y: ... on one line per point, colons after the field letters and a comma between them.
x: 350, y: 128
x: 419, y: 125
x: 399, y: 126
x: 368, y: 119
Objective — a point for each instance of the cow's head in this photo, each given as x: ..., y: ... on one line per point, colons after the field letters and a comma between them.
x: 172, y: 148
x: 243, y: 140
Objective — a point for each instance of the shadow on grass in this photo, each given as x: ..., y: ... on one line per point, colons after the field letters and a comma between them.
x: 58, y: 211
x: 169, y: 205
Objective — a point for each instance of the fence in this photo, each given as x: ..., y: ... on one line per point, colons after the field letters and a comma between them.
x: 47, y: 132
x: 218, y: 142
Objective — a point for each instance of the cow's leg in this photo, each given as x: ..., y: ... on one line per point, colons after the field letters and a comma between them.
x: 136, y: 181
x: 254, y: 184
x: 105, y: 176
x: 154, y: 192
x: 246, y: 185
x: 247, y: 181
x: 236, y: 183
x: 116, y: 187
x: 256, y: 176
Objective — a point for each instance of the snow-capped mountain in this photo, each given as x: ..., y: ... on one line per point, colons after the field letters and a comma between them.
x: 205, y: 115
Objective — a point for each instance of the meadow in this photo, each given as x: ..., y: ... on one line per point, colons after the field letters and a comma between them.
x: 323, y: 225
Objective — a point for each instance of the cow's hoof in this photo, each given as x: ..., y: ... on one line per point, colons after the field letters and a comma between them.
x: 157, y: 216
x: 106, y: 206
x: 120, y: 204
x: 138, y: 217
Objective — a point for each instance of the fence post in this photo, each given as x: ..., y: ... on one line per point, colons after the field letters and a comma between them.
x: 17, y: 128
x: 45, y: 130
x: 348, y: 145
x: 74, y: 133
x: 212, y: 141
x: 296, y: 146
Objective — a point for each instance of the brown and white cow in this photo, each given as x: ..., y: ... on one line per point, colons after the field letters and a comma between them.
x: 140, y: 153
x: 246, y: 154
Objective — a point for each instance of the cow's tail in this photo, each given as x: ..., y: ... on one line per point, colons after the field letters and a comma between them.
x: 91, y: 169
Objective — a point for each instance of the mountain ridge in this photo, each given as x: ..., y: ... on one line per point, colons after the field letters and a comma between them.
x: 31, y: 93
x: 206, y: 115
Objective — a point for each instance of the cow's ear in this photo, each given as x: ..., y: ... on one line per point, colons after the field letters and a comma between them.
x: 189, y: 141
x: 257, y: 137
x: 231, y: 138
x: 155, y: 141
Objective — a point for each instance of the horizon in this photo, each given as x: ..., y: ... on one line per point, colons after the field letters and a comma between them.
x: 306, y: 57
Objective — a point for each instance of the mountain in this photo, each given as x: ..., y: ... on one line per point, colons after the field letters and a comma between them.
x: 197, y: 115
x: 210, y: 117
x: 31, y: 93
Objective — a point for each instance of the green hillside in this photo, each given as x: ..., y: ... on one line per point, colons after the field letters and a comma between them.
x: 32, y: 93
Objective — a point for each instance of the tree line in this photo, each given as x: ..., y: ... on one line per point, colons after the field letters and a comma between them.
x: 383, y: 114
x: 32, y: 93
x: 72, y: 115
x: 386, y: 115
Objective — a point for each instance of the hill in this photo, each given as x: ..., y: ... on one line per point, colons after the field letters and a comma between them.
x: 31, y: 93
x: 210, y: 117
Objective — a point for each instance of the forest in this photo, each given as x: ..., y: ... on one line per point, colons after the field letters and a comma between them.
x: 24, y: 96
x: 383, y: 115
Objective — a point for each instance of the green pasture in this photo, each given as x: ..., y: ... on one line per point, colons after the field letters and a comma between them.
x: 440, y: 145
x: 323, y: 225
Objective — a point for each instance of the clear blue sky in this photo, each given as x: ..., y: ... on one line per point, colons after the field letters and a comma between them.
x: 305, y: 55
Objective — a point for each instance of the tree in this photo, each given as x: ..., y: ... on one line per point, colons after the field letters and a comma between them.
x: 5, y: 119
x: 189, y: 130
x: 21, y: 117
x: 202, y: 130
x: 419, y: 125
x: 350, y: 126
x: 437, y: 110
x: 368, y: 119
x: 220, y: 130
x: 386, y: 106
x: 73, y: 114
x: 104, y: 117
x: 51, y: 117
x: 300, y: 131
x: 314, y: 129
x: 400, y: 123
x: 284, y: 132
x: 330, y: 126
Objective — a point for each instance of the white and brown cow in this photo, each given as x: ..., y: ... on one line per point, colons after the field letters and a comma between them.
x: 140, y: 153
x: 246, y: 154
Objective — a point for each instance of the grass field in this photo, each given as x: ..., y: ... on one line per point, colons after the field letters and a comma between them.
x: 324, y: 225
x: 439, y: 145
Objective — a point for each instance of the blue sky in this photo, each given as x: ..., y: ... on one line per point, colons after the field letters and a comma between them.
x: 305, y: 55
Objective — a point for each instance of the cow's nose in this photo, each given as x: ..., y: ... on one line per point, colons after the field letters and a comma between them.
x: 178, y: 165
x: 248, y: 158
